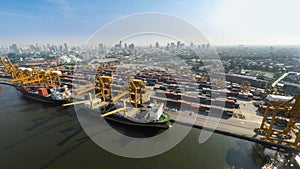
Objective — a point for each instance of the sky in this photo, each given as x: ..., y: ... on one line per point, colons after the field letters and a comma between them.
x: 223, y: 22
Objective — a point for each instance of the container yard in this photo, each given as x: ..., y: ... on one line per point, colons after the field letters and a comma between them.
x: 240, y: 110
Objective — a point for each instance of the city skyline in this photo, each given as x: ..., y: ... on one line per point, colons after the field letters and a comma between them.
x: 222, y: 22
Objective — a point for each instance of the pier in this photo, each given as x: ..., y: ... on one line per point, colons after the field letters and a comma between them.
x: 256, y: 125
x: 238, y: 128
x: 6, y: 81
x: 240, y: 124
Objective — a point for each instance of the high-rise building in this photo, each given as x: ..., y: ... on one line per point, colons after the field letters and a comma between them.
x: 101, y: 47
x: 60, y: 48
x: 119, y: 45
x: 14, y: 48
x: 178, y: 45
x: 168, y: 46
x: 192, y: 45
x: 52, y: 48
x: 48, y: 47
x: 66, y: 47
x: 156, y: 45
x: 181, y: 45
x: 37, y: 47
x: 32, y: 47
x: 125, y: 45
x: 172, y: 45
x: 131, y: 46
x: 207, y: 45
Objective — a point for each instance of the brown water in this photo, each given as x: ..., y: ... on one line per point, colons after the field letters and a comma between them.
x: 33, y: 135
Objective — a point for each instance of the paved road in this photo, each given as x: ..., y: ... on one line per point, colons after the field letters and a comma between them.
x: 231, y: 125
x: 279, y: 79
x: 239, y: 128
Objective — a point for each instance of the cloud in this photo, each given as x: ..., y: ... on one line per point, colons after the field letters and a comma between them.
x: 66, y: 9
x: 15, y: 14
x: 258, y: 21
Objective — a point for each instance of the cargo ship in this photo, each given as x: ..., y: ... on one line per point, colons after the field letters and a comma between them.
x: 52, y: 95
x: 151, y: 116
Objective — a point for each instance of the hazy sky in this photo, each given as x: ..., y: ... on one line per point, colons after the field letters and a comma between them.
x: 221, y: 21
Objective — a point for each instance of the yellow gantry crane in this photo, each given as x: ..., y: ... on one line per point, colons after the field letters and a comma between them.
x: 270, y: 90
x: 245, y: 87
x: 203, y: 78
x: 6, y: 67
x: 10, y: 68
x: 288, y: 135
x: 136, y: 88
x: 52, y: 77
x: 24, y: 76
x: 32, y: 77
x: 43, y: 77
x: 104, y: 85
x: 14, y: 70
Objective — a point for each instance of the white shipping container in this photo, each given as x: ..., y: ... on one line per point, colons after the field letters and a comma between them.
x: 278, y: 98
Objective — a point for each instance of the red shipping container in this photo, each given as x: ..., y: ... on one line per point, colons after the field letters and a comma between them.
x: 25, y: 88
x: 52, y: 86
x: 42, y: 91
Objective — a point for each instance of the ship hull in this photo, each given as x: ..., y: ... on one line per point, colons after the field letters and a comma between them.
x: 125, y: 121
x: 42, y: 99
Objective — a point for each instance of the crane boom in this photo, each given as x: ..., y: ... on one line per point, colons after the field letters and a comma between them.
x: 74, y: 103
x: 112, y: 112
x: 85, y: 90
x: 119, y: 96
x: 4, y: 64
x: 10, y: 64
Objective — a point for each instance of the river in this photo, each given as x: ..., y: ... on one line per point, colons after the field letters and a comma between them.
x: 34, y: 135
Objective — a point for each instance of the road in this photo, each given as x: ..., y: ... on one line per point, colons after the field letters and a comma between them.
x: 279, y: 79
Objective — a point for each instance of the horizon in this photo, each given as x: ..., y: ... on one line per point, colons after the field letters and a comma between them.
x: 153, y: 45
x: 224, y: 23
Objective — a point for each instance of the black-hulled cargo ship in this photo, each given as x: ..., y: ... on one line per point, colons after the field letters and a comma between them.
x: 152, y: 116
x: 54, y: 96
x: 163, y: 121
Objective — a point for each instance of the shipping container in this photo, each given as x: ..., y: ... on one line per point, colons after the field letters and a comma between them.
x: 42, y: 91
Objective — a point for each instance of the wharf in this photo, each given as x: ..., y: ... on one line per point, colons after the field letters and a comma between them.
x: 235, y: 127
x: 240, y: 125
x: 6, y: 81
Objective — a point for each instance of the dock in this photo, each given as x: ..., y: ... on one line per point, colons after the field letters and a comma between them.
x: 6, y: 81
x: 241, y: 123
x: 242, y: 128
